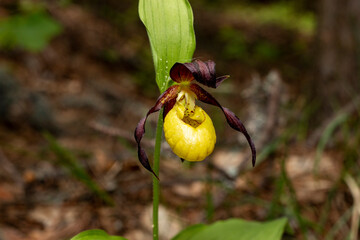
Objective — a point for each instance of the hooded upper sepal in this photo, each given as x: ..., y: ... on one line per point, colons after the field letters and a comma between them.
x: 164, y: 98
x: 231, y: 118
x: 180, y: 73
x: 204, y: 73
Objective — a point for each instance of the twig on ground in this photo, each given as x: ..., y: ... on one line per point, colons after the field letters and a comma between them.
x: 127, y: 135
x: 112, y: 131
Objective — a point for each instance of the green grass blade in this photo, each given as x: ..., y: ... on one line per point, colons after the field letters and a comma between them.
x: 67, y: 160
x: 328, y: 132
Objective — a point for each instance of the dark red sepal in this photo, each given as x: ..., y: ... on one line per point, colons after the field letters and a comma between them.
x: 164, y: 98
x: 231, y: 118
x: 168, y: 106
x: 204, y: 73
x: 180, y: 73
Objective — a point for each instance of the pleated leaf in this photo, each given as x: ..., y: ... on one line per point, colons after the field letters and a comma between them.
x: 169, y: 24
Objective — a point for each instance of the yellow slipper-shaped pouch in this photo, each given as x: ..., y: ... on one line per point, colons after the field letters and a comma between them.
x: 191, y: 136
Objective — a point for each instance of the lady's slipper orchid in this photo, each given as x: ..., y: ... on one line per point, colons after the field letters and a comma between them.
x: 188, y: 129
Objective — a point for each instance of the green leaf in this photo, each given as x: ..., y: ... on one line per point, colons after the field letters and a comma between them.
x: 236, y: 229
x: 30, y: 31
x: 96, y: 234
x: 169, y: 24
x: 189, y: 232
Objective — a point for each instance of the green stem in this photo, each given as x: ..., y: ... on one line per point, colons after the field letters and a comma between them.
x: 209, y: 197
x: 156, y: 184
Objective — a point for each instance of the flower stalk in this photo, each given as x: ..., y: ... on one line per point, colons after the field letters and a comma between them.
x: 156, y: 183
x: 169, y: 24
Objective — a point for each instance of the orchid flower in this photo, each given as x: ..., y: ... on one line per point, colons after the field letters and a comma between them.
x: 188, y: 129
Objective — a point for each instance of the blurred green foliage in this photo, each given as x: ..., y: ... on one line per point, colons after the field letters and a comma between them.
x: 266, y: 51
x: 237, y: 47
x: 282, y: 13
x: 31, y: 30
x: 236, y: 44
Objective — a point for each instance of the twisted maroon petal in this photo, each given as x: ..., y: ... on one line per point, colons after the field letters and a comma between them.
x: 168, y: 106
x: 204, y: 73
x: 164, y: 98
x: 231, y: 118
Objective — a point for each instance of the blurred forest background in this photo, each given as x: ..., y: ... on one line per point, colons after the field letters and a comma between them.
x: 77, y: 75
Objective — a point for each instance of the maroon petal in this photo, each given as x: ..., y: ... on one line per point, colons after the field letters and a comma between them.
x: 164, y: 98
x: 180, y: 73
x: 204, y: 73
x: 231, y: 118
x: 168, y: 106
x: 219, y: 80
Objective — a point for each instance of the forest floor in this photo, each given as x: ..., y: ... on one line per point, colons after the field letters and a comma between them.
x: 68, y: 159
